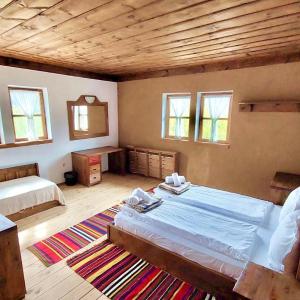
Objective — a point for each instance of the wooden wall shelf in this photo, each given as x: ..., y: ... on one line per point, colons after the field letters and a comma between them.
x: 270, y: 106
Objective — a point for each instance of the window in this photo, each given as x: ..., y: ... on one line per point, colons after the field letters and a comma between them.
x: 81, y: 118
x: 28, y: 113
x: 176, y: 116
x: 212, y: 117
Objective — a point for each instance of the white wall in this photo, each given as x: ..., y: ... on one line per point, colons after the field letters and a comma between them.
x: 54, y: 159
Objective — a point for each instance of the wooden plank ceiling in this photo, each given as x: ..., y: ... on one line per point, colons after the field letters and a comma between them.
x: 133, y: 38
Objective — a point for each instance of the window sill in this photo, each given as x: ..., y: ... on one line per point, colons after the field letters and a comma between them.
x: 174, y: 139
x: 214, y: 144
x: 25, y: 143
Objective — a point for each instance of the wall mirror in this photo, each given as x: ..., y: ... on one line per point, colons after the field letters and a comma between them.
x: 88, y: 118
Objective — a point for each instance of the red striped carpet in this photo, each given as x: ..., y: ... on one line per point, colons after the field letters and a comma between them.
x: 121, y: 275
x: 64, y: 243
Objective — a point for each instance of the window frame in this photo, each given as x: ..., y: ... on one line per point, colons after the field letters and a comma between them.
x: 42, y: 114
x: 79, y: 118
x: 166, y: 117
x: 200, y: 117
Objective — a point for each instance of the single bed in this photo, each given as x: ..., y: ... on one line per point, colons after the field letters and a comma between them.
x: 23, y: 192
x: 215, y: 266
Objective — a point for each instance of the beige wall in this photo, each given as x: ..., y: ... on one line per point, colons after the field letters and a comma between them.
x: 261, y: 143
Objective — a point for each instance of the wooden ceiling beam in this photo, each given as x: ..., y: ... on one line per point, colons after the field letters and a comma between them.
x: 161, y: 14
x: 240, y: 15
x: 25, y: 64
x: 57, y: 14
x: 14, y: 14
x: 219, y: 29
x: 86, y: 24
x: 218, y: 66
x: 212, y: 45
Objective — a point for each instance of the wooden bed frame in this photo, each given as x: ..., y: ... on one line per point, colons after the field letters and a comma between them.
x: 11, y: 173
x: 199, y: 276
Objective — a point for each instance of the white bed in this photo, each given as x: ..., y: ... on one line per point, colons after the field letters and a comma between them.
x: 27, y: 192
x: 213, y: 240
x: 230, y: 204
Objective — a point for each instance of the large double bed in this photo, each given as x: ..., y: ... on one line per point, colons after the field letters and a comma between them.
x: 204, y: 236
x: 23, y: 192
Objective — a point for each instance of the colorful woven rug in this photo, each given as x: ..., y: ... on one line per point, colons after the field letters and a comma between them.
x: 64, y: 243
x: 121, y: 275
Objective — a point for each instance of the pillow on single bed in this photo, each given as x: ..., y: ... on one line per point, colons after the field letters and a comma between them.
x: 284, y: 246
x: 292, y: 203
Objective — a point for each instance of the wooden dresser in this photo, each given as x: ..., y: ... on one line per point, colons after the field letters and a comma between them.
x: 12, y: 284
x: 87, y: 163
x: 281, y: 186
x: 151, y: 162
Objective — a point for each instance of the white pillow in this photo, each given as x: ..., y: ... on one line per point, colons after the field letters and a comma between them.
x: 283, y: 240
x: 292, y: 203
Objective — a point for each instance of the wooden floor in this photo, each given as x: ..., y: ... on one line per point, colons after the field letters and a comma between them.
x: 59, y: 281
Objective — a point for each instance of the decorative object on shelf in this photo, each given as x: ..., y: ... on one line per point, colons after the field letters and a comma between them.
x: 270, y: 106
x: 151, y: 162
x: 282, y: 185
x: 88, y: 118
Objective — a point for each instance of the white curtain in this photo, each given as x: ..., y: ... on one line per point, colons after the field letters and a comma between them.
x: 218, y: 107
x: 28, y: 102
x: 179, y: 107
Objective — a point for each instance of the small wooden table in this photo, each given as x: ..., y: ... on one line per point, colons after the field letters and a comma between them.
x: 281, y: 186
x: 12, y: 284
x: 87, y: 163
x: 259, y: 283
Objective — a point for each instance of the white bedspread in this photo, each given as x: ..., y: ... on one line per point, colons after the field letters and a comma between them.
x: 200, y: 253
x: 22, y: 193
x: 238, y: 206
x: 227, y: 236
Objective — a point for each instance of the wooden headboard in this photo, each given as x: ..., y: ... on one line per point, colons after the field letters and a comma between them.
x: 19, y: 172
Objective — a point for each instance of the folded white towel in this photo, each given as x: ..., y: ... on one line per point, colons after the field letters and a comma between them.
x: 144, y: 196
x: 133, y: 200
x: 176, y: 180
x: 169, y: 179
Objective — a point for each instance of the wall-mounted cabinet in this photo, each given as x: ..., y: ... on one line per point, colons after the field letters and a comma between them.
x: 151, y: 162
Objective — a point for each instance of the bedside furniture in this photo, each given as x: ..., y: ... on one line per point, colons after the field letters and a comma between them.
x: 12, y: 284
x: 151, y: 162
x: 259, y: 283
x: 87, y: 163
x: 282, y: 184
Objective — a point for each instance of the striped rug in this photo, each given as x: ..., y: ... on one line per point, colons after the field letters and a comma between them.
x: 64, y: 243
x: 121, y: 275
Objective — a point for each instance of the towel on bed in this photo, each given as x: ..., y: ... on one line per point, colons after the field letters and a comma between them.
x: 175, y: 189
x: 143, y: 201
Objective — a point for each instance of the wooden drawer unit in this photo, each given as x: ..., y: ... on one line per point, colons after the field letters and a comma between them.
x: 168, y: 162
x: 154, y: 172
x: 87, y: 163
x: 153, y: 163
x: 95, y: 169
x: 88, y: 168
x: 282, y: 185
x: 132, y: 161
x: 154, y: 160
x: 94, y: 160
x: 95, y: 178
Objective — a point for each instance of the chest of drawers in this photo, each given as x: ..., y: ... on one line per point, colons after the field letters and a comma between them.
x: 151, y: 162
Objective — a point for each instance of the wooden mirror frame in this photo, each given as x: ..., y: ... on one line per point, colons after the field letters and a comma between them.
x: 82, y: 101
